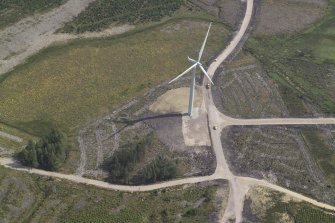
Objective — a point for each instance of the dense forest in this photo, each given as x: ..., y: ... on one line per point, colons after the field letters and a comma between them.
x: 48, y: 153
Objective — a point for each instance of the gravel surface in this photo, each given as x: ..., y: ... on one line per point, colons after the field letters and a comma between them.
x: 28, y: 36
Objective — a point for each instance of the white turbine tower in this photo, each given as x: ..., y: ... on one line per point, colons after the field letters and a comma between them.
x: 194, y: 68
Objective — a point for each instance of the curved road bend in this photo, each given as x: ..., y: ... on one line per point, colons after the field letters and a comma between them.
x: 13, y: 164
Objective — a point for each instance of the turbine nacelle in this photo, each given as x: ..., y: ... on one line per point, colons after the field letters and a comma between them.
x: 195, y: 64
x: 192, y: 60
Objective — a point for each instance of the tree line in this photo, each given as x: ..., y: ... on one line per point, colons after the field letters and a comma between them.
x: 123, y: 162
x: 102, y: 13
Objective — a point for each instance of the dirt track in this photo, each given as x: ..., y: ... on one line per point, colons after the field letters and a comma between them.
x: 10, y: 137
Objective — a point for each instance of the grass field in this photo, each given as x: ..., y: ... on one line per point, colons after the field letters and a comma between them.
x: 12, y: 11
x: 30, y: 198
x: 322, y: 153
x: 302, y: 64
x: 11, y: 145
x: 66, y: 86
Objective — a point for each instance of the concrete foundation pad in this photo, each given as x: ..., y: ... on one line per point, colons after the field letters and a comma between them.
x: 195, y: 128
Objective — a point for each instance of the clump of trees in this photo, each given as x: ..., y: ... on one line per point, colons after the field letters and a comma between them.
x: 48, y: 153
x: 158, y: 170
x: 123, y: 161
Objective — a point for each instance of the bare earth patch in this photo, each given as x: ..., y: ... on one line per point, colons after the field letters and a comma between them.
x: 30, y: 35
x: 195, y: 128
x: 228, y: 10
x: 244, y: 90
x: 176, y: 100
x: 136, y: 120
x: 259, y: 200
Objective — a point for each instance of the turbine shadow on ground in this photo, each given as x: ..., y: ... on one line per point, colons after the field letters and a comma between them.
x: 129, y: 122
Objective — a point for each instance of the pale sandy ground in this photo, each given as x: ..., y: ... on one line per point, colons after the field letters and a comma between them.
x: 25, y: 38
x: 10, y: 137
x: 195, y: 129
x: 176, y: 100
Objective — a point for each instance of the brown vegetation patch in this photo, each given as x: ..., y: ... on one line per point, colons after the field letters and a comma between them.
x: 244, y: 90
x: 288, y: 16
x: 278, y: 154
x: 230, y: 11
x: 134, y: 122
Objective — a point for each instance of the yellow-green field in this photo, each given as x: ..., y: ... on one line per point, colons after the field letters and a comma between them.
x: 13, y: 145
x: 67, y: 86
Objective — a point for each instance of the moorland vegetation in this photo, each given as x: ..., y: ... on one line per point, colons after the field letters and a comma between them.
x: 98, y: 75
x: 102, y: 13
x: 302, y: 64
x: 31, y: 198
x: 301, y: 212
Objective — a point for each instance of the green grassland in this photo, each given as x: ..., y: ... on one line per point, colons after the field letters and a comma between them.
x: 12, y: 145
x: 30, y: 198
x: 301, y: 64
x: 12, y: 11
x: 322, y: 153
x: 66, y: 86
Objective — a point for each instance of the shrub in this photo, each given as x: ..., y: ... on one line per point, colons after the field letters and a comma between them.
x: 124, y: 160
x: 158, y: 170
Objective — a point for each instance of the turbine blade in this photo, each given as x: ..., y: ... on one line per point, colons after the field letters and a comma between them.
x: 190, y: 59
x: 180, y: 75
x: 204, y: 43
x: 204, y: 71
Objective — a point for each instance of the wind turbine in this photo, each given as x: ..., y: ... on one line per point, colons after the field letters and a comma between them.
x: 196, y: 63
